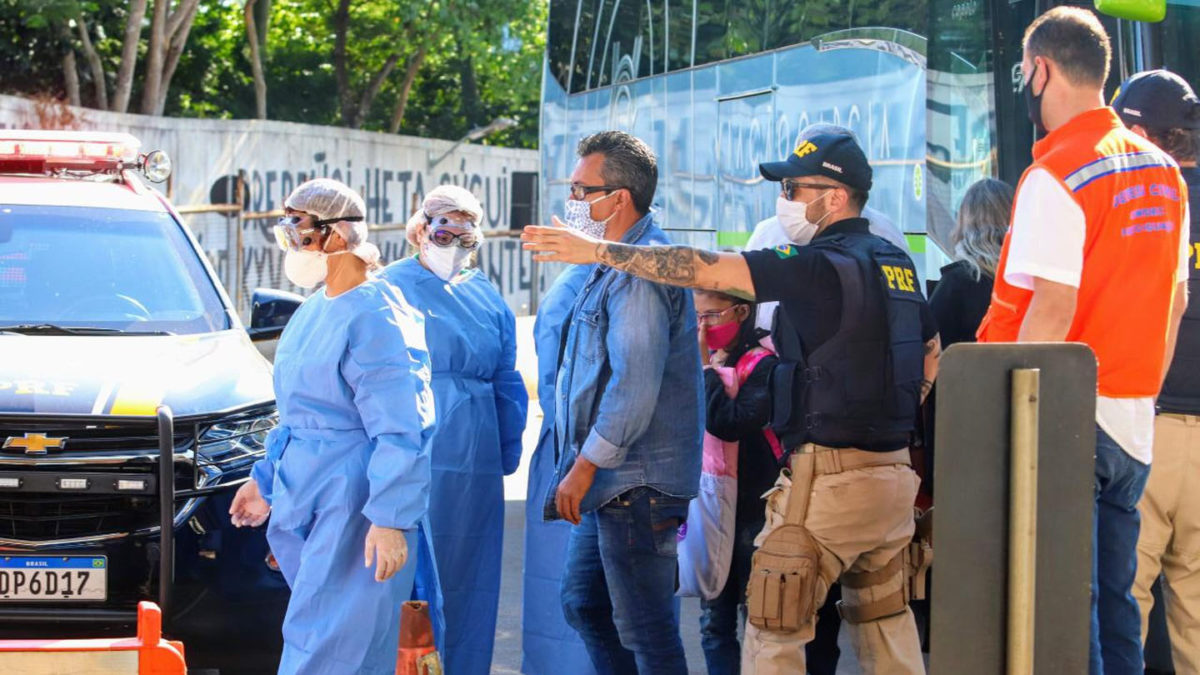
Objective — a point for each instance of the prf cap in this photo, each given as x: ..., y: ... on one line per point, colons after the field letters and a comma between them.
x: 835, y: 156
x: 1157, y: 99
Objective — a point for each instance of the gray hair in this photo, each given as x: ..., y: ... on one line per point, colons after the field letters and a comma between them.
x: 628, y: 163
x: 983, y: 218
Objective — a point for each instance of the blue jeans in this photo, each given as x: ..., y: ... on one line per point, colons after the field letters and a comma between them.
x: 1116, y: 631
x: 618, y: 591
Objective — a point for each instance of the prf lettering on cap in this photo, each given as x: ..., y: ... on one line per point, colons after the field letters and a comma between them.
x: 805, y: 148
x: 899, y: 278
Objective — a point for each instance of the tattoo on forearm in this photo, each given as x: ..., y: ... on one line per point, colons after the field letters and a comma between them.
x: 676, y: 265
x: 926, y: 387
x: 934, y: 348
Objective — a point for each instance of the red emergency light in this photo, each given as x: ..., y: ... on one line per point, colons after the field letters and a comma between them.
x: 42, y: 151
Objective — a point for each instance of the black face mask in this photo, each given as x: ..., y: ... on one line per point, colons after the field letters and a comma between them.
x: 1033, y: 104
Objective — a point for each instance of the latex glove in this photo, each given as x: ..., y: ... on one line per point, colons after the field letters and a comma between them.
x: 389, y: 546
x: 249, y: 509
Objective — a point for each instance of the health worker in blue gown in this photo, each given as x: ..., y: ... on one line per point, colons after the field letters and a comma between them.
x: 481, y: 402
x: 548, y: 645
x: 345, y: 480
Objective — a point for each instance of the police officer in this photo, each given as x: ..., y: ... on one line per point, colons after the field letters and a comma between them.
x: 858, y: 352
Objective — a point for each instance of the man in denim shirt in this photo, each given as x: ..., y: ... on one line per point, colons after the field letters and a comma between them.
x: 629, y: 422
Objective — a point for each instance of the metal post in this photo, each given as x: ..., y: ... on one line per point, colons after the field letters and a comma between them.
x: 239, y: 294
x: 166, y: 508
x: 1022, y: 529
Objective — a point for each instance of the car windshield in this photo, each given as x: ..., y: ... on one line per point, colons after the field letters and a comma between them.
x: 110, y: 270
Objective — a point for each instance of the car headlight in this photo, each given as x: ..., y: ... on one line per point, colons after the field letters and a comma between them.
x: 236, y: 442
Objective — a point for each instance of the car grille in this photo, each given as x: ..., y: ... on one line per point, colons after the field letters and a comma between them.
x: 41, y: 517
x: 93, y: 446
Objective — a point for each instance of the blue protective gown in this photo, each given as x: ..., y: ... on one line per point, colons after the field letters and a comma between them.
x: 481, y: 402
x: 352, y: 386
x: 549, y: 646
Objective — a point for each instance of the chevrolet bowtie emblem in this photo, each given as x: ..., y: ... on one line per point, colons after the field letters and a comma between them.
x: 34, y: 444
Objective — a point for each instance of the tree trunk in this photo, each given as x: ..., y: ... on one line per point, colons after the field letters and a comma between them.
x: 252, y: 36
x: 94, y: 63
x: 177, y: 40
x: 156, y: 56
x: 410, y: 76
x: 470, y: 89
x: 129, y: 50
x: 372, y: 90
x: 341, y: 27
x: 262, y: 19
x: 70, y: 74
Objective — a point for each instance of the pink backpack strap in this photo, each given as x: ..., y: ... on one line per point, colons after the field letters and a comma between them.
x: 745, y: 366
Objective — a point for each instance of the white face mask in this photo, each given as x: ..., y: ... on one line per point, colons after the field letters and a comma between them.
x: 579, y: 217
x: 793, y: 217
x: 306, y: 269
x: 445, y: 261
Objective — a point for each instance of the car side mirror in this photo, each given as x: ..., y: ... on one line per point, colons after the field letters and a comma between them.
x: 270, y: 310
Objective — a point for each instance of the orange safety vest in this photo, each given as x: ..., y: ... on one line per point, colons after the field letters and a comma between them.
x: 1133, y: 199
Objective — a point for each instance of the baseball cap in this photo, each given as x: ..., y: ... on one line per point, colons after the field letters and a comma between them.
x: 1157, y: 99
x: 834, y: 156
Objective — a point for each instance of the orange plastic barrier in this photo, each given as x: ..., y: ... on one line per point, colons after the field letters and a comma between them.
x: 417, y: 654
x: 146, y: 654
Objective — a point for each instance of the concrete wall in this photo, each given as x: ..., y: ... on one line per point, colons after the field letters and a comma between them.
x: 392, y: 172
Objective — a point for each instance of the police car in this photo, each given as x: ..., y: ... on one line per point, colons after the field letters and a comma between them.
x: 132, y: 405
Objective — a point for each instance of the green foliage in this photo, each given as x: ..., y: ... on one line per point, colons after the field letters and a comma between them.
x: 483, y: 60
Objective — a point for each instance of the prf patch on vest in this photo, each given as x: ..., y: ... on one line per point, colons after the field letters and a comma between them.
x: 785, y: 251
x: 901, y: 280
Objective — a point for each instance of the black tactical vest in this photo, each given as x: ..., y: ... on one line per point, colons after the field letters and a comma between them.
x: 862, y: 387
x: 1181, y: 390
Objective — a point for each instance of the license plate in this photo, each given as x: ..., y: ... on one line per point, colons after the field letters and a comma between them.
x: 33, y: 578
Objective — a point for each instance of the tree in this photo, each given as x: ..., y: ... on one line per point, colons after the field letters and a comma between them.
x: 129, y: 52
x: 169, y: 29
x: 254, y: 38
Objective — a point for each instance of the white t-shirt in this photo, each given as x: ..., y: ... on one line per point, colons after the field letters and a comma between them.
x: 1048, y: 234
x: 769, y: 234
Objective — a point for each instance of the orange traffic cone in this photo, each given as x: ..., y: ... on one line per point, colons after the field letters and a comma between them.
x: 417, y: 654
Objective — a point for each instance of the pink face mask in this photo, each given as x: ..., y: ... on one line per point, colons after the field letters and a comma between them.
x: 723, y: 335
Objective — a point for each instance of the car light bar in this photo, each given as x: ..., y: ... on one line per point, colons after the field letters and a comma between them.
x: 69, y: 148
x: 40, y: 151
x: 92, y: 482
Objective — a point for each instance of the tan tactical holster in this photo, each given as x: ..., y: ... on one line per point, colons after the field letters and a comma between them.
x: 914, y: 560
x: 782, y: 593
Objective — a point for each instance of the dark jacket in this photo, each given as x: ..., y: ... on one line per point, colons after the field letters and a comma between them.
x: 959, y: 302
x: 743, y: 419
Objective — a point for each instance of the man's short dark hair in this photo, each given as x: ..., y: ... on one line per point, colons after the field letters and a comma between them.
x: 1183, y: 145
x: 628, y: 163
x: 1074, y: 39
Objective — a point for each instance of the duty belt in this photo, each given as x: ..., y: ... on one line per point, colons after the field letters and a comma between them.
x: 827, y: 460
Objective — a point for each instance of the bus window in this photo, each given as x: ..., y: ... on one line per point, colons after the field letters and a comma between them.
x: 679, y: 34
x: 558, y: 47
x: 1180, y: 28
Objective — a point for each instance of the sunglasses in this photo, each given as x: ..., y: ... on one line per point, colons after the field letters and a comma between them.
x: 790, y: 187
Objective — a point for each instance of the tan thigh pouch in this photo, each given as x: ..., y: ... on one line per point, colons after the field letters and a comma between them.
x: 783, y: 588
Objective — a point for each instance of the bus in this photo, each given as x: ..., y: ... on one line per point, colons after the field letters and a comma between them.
x: 930, y: 87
